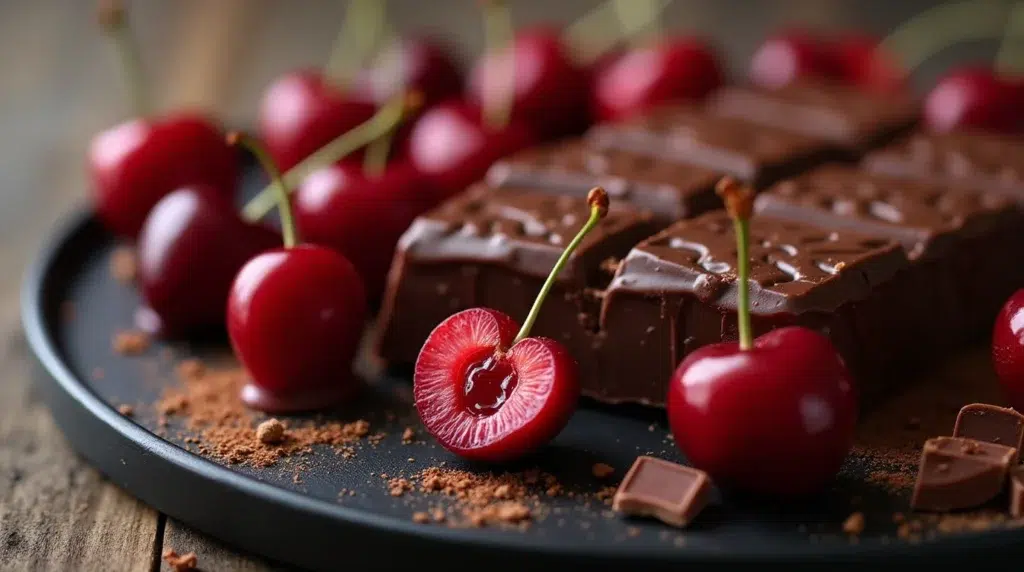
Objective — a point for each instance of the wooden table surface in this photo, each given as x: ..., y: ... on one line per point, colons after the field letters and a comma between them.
x: 59, y: 85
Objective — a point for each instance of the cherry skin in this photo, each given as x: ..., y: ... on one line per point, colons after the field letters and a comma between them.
x: 189, y: 250
x: 453, y: 148
x: 776, y: 419
x: 674, y: 69
x: 492, y: 406
x: 1008, y: 349
x: 301, y: 112
x: 361, y: 216
x: 862, y: 63
x: 974, y: 98
x: 295, y: 316
x: 135, y: 164
x: 411, y: 64
x: 789, y: 56
x: 549, y: 89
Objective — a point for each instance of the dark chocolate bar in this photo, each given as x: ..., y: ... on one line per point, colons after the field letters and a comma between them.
x: 967, y: 158
x: 851, y: 118
x: 671, y: 191
x: 687, y: 134
x: 672, y: 493
x: 957, y: 473
x: 992, y: 424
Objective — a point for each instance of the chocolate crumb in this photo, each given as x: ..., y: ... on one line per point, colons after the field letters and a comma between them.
x: 123, y: 265
x: 130, y: 342
x: 438, y: 515
x: 126, y: 410
x: 854, y: 524
x: 270, y: 432
x: 408, y: 435
x: 602, y: 470
x: 180, y: 562
x: 420, y: 517
x: 610, y: 265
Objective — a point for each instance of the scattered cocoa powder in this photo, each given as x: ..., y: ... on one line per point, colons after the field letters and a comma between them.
x: 602, y: 470
x: 408, y: 435
x: 123, y: 264
x: 270, y: 432
x: 191, y: 369
x: 126, y: 410
x: 130, y: 342
x: 854, y: 524
x: 180, y: 562
x: 420, y: 517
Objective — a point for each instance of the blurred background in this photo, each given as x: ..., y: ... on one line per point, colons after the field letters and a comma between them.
x: 59, y: 80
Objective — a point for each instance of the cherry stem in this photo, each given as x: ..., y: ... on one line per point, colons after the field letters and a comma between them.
x: 638, y: 19
x: 597, y: 198
x: 381, y: 123
x: 603, y: 27
x: 375, y: 162
x: 498, y: 36
x: 288, y: 231
x: 357, y: 40
x: 739, y: 202
x: 114, y: 21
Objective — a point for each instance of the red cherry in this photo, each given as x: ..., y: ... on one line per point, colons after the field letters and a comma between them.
x: 301, y: 112
x: 674, y: 69
x: 295, y: 316
x: 186, y: 265
x: 1008, y: 349
x: 488, y: 393
x: 452, y: 147
x: 974, y: 98
x: 783, y: 58
x: 549, y: 89
x: 411, y: 63
x: 134, y: 164
x: 861, y: 62
x: 361, y: 216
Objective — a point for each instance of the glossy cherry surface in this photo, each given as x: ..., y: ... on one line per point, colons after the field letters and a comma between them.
x: 775, y: 419
x: 452, y: 147
x: 295, y: 317
x: 411, y: 63
x: 975, y: 98
x: 135, y: 164
x: 863, y: 63
x: 489, y: 405
x: 189, y: 250
x: 673, y: 69
x: 791, y: 55
x: 362, y: 216
x: 302, y: 111
x: 1008, y: 349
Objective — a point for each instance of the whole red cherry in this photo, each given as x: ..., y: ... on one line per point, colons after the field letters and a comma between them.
x: 791, y: 55
x: 863, y: 63
x: 411, y: 63
x: 1008, y: 349
x: 672, y: 69
x: 974, y: 98
x: 773, y: 416
x: 488, y: 393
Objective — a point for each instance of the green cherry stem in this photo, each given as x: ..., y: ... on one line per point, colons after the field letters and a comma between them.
x: 114, y: 21
x: 597, y: 198
x: 357, y: 40
x: 288, y: 230
x: 739, y: 202
x: 498, y: 37
x: 382, y: 122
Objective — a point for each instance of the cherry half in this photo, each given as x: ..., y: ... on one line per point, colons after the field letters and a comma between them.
x: 134, y: 164
x: 295, y: 316
x: 488, y: 393
x: 189, y: 250
x: 975, y: 98
x: 1008, y: 349
x: 775, y: 415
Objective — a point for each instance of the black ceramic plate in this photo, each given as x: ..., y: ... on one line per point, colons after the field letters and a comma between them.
x: 306, y: 523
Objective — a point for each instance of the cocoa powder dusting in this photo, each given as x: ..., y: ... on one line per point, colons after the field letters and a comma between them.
x: 130, y: 342
x: 123, y: 264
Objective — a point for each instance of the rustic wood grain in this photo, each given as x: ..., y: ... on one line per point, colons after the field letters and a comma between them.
x: 211, y: 553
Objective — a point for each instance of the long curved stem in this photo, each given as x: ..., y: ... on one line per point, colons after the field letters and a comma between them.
x: 499, y: 92
x: 742, y: 228
x: 114, y: 20
x: 288, y: 230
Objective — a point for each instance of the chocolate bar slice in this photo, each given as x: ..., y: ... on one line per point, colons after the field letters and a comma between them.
x: 494, y: 248
x: 674, y: 494
x: 676, y: 292
x: 957, y: 473
x: 671, y: 191
x: 992, y: 424
x: 851, y: 118
x: 966, y: 158
x: 687, y: 134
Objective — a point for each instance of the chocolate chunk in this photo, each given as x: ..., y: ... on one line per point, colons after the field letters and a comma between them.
x: 851, y: 118
x: 1017, y: 492
x: 689, y: 135
x: 990, y: 423
x: 671, y: 191
x: 957, y: 473
x: 672, y: 493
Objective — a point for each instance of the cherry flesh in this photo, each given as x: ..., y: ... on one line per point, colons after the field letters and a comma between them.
x: 775, y: 419
x: 411, y: 64
x: 362, y: 216
x: 862, y: 63
x: 674, y: 69
x: 548, y: 89
x: 1008, y: 349
x: 453, y: 148
x: 135, y: 164
x: 295, y: 317
x: 789, y: 56
x: 302, y: 111
x: 975, y: 98
x: 489, y: 405
x: 189, y: 250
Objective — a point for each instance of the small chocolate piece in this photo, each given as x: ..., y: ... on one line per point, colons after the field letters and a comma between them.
x: 852, y: 118
x: 1017, y: 492
x: 990, y: 423
x: 672, y: 493
x: 957, y: 473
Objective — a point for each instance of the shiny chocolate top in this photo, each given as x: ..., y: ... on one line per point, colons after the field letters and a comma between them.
x: 794, y: 267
